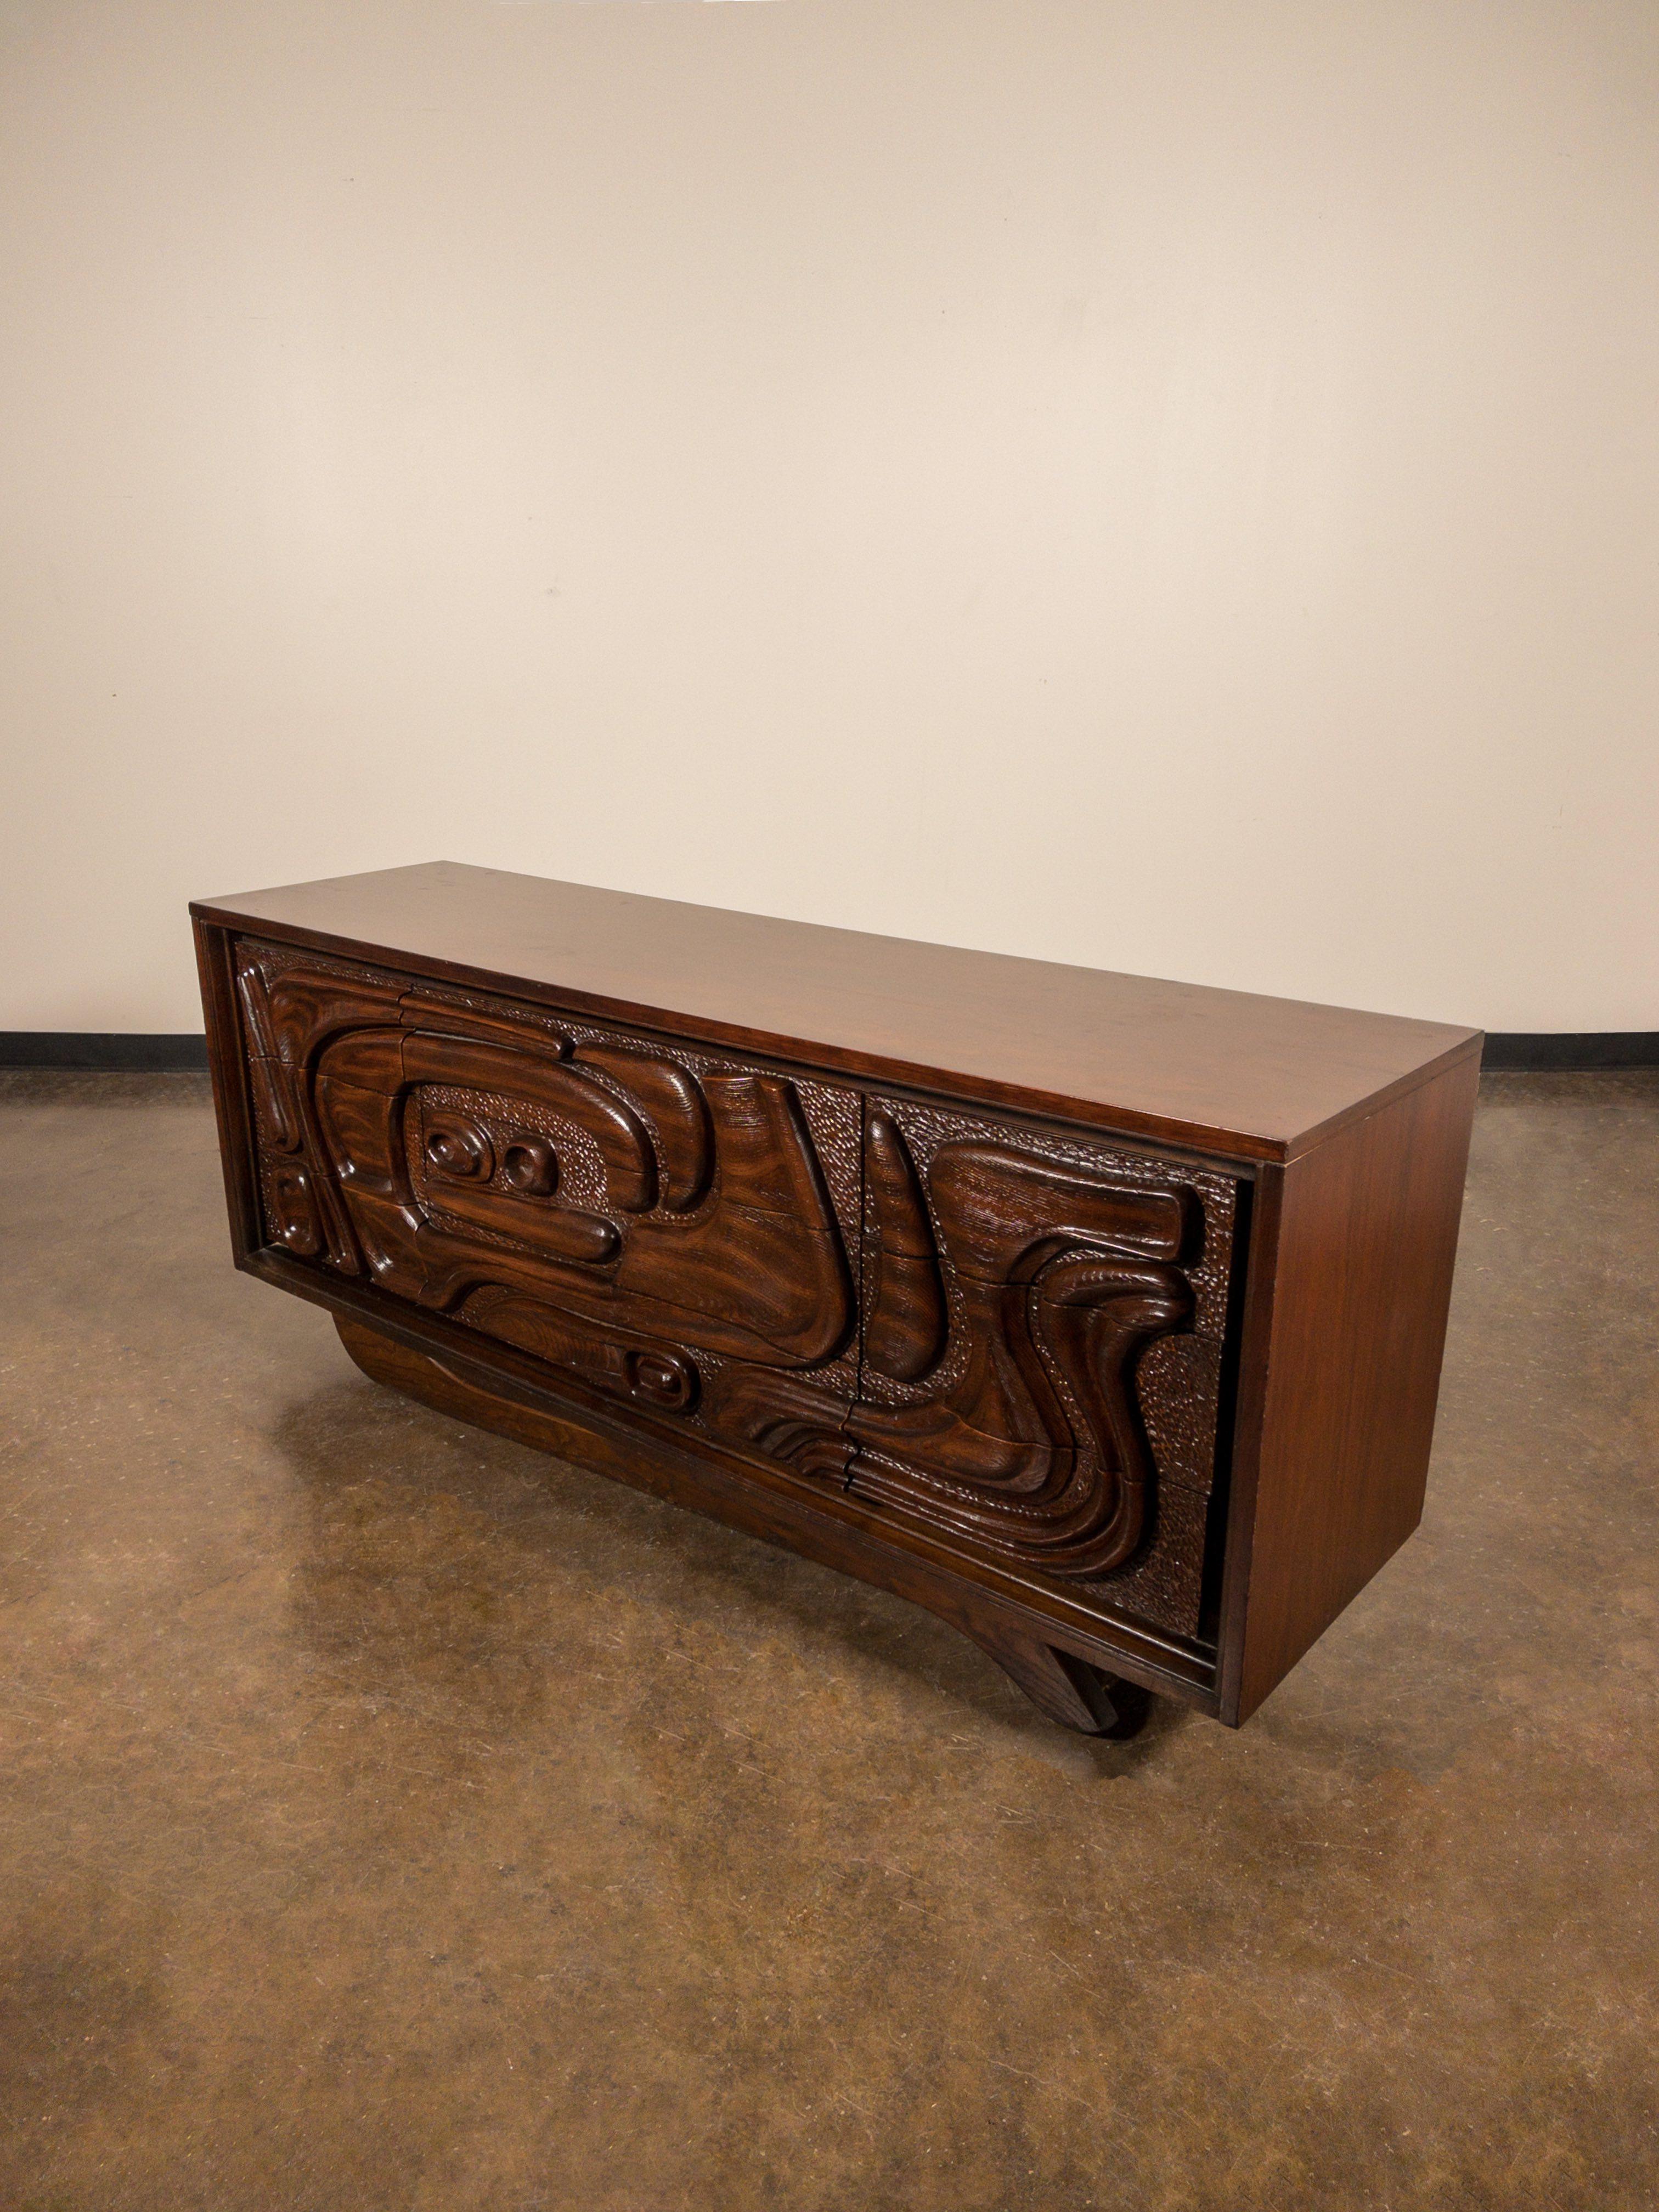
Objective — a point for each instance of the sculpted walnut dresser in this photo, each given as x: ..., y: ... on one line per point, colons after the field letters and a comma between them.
x: 1102, y: 1316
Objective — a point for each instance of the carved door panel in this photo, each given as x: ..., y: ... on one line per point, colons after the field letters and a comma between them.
x: 1044, y: 1326
x: 657, y: 1225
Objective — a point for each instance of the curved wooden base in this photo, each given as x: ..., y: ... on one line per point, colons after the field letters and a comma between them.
x: 1069, y: 1689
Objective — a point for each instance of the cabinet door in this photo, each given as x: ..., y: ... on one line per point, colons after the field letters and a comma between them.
x: 1044, y: 1324
x: 659, y: 1227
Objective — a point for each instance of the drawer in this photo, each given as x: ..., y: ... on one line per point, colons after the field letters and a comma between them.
x: 668, y: 1229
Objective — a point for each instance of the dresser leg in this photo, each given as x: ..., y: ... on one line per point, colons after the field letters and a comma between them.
x: 1069, y: 1690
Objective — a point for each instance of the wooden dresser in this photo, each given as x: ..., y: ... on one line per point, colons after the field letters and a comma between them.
x: 1103, y: 1316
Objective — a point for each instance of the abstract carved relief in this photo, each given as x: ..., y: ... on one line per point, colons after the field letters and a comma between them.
x: 1043, y: 1322
x: 988, y: 1331
x: 615, y: 1213
x: 1070, y: 1419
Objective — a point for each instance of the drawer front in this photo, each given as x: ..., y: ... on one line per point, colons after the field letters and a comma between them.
x: 1004, y: 1338
x: 1045, y: 1325
x: 672, y: 1230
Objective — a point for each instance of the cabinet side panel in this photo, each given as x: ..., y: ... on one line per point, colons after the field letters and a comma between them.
x: 1368, y: 1236
x: 214, y: 963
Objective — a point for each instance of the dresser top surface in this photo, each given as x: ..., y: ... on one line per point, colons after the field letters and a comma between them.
x: 1220, y: 1070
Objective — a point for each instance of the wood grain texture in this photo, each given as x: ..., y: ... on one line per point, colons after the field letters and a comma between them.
x: 905, y: 1316
x: 1259, y: 1078
x: 1337, y: 1415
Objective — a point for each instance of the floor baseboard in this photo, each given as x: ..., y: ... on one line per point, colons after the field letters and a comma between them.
x: 1571, y: 1052
x: 102, y: 1049
x: 1521, y: 1051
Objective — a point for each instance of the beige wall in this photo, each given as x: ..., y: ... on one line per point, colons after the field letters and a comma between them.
x: 1167, y: 487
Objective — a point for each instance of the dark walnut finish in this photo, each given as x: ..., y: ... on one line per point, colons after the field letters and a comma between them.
x: 1102, y: 1317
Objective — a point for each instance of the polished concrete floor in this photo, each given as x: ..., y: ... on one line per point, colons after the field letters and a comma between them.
x: 391, y: 1818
